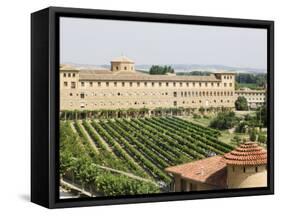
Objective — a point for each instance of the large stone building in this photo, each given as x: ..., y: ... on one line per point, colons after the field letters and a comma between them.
x: 244, y: 167
x: 255, y: 98
x: 123, y: 87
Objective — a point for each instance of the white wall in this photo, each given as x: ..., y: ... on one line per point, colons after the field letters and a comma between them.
x: 15, y: 114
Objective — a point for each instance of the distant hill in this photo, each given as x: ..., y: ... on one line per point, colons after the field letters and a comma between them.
x: 182, y: 68
x: 210, y: 68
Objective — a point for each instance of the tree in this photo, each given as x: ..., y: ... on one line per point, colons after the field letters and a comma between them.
x: 261, y: 138
x: 224, y: 120
x: 157, y: 69
x: 261, y: 115
x: 241, y: 103
x: 253, y: 135
x: 236, y: 139
x: 201, y: 110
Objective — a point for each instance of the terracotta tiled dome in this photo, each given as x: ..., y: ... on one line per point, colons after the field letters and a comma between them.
x: 248, y: 153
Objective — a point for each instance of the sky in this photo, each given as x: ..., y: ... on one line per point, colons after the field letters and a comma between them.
x: 97, y: 41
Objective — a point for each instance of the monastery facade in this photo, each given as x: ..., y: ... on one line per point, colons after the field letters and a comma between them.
x: 122, y: 87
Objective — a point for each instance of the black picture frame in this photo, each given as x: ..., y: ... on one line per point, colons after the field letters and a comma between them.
x: 45, y: 105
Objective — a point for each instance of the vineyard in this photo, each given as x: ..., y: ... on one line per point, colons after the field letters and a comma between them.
x: 128, y: 156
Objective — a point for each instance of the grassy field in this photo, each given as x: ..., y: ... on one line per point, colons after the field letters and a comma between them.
x: 247, y: 85
x: 226, y: 135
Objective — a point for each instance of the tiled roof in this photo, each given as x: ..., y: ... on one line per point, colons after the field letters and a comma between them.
x: 248, y: 153
x: 135, y: 76
x: 66, y: 67
x: 122, y: 59
x: 248, y: 90
x: 210, y: 171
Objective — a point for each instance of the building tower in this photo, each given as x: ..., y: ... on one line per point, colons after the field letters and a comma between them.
x: 122, y: 64
x: 246, y: 166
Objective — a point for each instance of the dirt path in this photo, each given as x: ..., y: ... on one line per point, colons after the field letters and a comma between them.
x: 125, y: 174
x: 108, y: 148
x: 76, y: 187
x: 89, y: 138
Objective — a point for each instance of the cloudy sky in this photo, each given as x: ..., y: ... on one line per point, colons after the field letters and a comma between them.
x: 96, y: 41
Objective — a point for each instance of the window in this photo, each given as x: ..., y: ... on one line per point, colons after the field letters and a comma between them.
x: 138, y: 84
x: 65, y: 84
x: 82, y: 95
x: 224, y: 84
x: 193, y: 84
x: 131, y: 84
x: 125, y: 68
x: 174, y: 83
x: 123, y: 84
x: 115, y: 84
x: 145, y: 83
x: 107, y: 84
x: 152, y: 83
x: 230, y: 84
x: 167, y: 84
x: 160, y: 84
x: 212, y: 84
x: 99, y: 83
x: 187, y: 84
x: 180, y: 84
x: 175, y: 103
x: 73, y: 75
x: 218, y: 84
x: 69, y: 74
x: 82, y: 84
x: 91, y: 84
x: 118, y: 94
x: 70, y: 94
x: 64, y: 74
x: 175, y: 94
x: 116, y: 67
x: 206, y: 84
x: 200, y: 84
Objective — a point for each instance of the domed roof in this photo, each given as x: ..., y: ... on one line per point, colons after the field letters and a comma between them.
x: 122, y: 59
x: 248, y: 153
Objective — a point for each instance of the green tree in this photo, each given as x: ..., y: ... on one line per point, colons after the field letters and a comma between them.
x: 253, y: 135
x: 241, y: 103
x: 224, y: 120
x: 236, y: 139
x: 157, y: 69
x: 261, y: 138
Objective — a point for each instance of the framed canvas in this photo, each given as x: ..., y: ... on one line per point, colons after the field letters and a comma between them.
x: 132, y: 107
